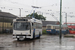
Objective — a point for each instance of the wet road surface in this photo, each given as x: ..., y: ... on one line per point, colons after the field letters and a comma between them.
x: 46, y: 42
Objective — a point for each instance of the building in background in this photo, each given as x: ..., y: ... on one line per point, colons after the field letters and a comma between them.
x: 6, y: 20
x: 49, y: 22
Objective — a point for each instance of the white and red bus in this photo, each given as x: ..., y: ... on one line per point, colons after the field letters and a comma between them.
x: 71, y: 27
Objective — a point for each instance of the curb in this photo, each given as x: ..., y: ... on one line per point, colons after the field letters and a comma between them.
x: 69, y: 35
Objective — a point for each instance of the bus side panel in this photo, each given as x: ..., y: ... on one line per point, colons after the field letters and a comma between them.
x: 51, y: 31
x: 37, y: 32
x: 72, y: 32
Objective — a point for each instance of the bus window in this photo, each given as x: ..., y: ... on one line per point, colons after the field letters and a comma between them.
x: 73, y: 29
x: 68, y: 24
x: 48, y: 27
x: 57, y: 28
x: 34, y: 25
x: 73, y: 24
x: 70, y: 29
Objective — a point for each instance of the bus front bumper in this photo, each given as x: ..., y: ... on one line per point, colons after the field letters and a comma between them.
x: 22, y: 36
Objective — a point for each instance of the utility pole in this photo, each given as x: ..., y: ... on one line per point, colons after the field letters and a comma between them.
x: 60, y: 34
x: 20, y: 11
x: 66, y: 18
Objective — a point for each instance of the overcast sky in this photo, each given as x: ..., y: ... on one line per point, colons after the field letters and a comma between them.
x: 47, y: 7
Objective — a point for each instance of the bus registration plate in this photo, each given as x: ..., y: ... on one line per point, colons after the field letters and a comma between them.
x: 20, y: 36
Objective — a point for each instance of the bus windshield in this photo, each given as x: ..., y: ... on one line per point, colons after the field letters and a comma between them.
x: 21, y: 26
x: 48, y: 27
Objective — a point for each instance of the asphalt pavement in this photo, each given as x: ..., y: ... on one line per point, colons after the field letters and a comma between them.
x: 46, y: 42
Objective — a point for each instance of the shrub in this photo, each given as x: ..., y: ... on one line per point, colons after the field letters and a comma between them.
x: 44, y: 32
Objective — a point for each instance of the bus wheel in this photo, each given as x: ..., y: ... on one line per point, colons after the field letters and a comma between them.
x: 18, y: 39
x: 39, y: 35
x: 34, y: 36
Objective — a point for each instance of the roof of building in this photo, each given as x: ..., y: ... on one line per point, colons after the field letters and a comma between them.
x: 6, y: 14
x: 50, y: 22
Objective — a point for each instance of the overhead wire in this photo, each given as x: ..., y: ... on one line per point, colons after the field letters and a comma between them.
x: 17, y: 3
x: 25, y: 5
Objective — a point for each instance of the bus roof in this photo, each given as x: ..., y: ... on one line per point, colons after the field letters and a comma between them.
x: 57, y: 25
x: 69, y: 23
x: 36, y: 20
x: 30, y: 20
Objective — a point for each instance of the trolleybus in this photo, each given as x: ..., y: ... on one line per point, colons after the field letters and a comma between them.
x: 27, y: 28
x: 55, y: 29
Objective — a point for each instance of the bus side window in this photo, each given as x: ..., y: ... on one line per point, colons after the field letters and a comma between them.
x: 70, y: 29
x: 33, y: 25
x: 26, y: 26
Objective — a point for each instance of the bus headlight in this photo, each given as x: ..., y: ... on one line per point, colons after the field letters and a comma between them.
x: 14, y: 34
x: 48, y: 30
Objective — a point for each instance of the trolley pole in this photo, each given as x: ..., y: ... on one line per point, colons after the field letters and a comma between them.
x: 34, y: 10
x: 33, y: 13
x: 60, y: 34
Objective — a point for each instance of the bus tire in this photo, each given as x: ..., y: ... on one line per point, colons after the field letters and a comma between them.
x: 18, y: 39
x: 39, y: 35
x: 34, y: 36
